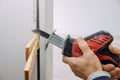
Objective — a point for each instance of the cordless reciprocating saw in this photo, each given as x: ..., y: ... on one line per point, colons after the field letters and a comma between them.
x: 98, y: 43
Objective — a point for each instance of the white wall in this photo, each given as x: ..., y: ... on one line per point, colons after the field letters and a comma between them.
x: 16, y: 23
x: 81, y: 18
x: 86, y: 16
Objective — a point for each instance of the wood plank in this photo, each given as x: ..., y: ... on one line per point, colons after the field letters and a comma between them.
x: 32, y: 57
x: 29, y: 46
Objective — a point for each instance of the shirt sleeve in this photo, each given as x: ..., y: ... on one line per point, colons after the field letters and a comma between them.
x: 99, y: 75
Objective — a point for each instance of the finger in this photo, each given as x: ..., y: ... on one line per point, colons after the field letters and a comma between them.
x: 117, y: 76
x: 115, y: 72
x: 115, y: 49
x: 83, y: 45
x: 68, y: 60
x: 108, y: 67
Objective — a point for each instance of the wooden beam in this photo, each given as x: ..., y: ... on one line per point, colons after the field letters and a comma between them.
x: 32, y: 48
x: 30, y: 45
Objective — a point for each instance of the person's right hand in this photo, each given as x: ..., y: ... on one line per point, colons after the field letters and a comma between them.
x: 84, y: 65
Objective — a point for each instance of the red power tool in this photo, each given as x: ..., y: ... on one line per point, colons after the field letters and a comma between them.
x: 98, y: 42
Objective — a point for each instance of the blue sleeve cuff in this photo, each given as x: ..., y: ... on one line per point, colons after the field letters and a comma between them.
x: 98, y: 74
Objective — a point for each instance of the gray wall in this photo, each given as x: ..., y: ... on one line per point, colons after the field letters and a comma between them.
x: 15, y: 32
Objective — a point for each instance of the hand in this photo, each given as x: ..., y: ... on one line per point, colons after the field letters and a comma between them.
x: 114, y: 71
x: 84, y: 65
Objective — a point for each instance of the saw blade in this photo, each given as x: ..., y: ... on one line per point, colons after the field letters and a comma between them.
x: 52, y: 38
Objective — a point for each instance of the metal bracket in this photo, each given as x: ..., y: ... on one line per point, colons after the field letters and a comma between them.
x: 55, y: 40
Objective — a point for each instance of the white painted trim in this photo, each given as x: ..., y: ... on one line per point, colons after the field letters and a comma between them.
x: 46, y: 24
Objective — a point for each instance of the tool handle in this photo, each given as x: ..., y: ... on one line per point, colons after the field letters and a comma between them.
x: 98, y: 43
x: 104, y: 55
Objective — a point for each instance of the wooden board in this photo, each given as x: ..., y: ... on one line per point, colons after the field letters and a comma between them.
x: 31, y: 55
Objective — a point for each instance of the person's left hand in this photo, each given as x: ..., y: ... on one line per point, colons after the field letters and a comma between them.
x: 114, y: 71
x: 115, y: 49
